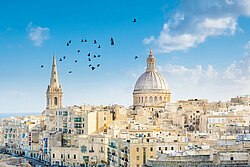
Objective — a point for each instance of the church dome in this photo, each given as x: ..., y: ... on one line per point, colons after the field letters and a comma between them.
x: 151, y: 82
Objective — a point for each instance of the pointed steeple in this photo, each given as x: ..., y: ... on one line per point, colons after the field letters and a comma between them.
x: 54, y: 84
x: 54, y: 92
x: 151, y: 62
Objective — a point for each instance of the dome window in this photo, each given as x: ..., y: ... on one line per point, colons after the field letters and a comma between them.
x: 155, y: 99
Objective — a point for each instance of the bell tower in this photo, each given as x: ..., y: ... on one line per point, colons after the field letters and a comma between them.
x: 54, y: 97
x: 54, y: 92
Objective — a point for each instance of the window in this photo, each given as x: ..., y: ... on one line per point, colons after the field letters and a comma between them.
x: 151, y: 99
x: 68, y: 156
x: 172, y: 148
x: 142, y: 99
x: 55, y: 100
x: 159, y: 148
x: 53, y: 155
x: 65, y: 113
x: 74, y: 156
x: 77, y: 119
x: 61, y: 155
x: 151, y: 149
x: 77, y: 125
x: 166, y: 148
x: 65, y: 125
x: 137, y: 149
x: 137, y: 157
x: 104, y: 118
x: 231, y: 158
x: 146, y: 99
x: 83, y: 148
x: 155, y: 99
x: 160, y: 98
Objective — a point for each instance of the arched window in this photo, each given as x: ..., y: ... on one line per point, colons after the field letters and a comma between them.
x: 151, y: 99
x: 55, y: 100
x: 139, y: 99
x: 160, y: 98
x: 155, y: 99
x: 165, y: 98
x: 142, y: 99
x: 146, y: 99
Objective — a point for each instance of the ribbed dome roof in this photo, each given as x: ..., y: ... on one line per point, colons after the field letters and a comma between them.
x: 151, y: 81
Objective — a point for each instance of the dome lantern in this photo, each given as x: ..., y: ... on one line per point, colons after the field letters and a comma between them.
x: 151, y: 62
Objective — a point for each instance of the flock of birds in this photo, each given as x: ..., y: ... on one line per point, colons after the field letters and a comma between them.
x: 92, y: 67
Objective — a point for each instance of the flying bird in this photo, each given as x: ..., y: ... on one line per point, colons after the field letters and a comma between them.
x: 112, y: 41
x: 98, y: 65
x: 136, y: 57
x: 99, y: 46
x: 70, y: 72
x: 82, y: 40
x: 75, y: 61
x: 95, y: 42
x: 89, y: 59
x: 134, y: 20
x: 67, y: 44
x: 42, y: 66
x: 64, y: 57
x: 94, y: 56
x: 92, y: 68
x: 99, y: 56
x: 85, y: 40
x: 89, y: 54
x: 60, y: 59
x: 69, y: 41
x: 90, y: 65
x: 78, y: 51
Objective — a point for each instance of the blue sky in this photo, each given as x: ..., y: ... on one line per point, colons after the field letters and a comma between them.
x: 201, y: 48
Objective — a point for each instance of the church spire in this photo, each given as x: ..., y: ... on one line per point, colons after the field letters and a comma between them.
x: 151, y: 62
x: 54, y: 78
x: 54, y: 92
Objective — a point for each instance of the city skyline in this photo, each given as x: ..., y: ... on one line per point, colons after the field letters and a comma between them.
x: 221, y: 37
